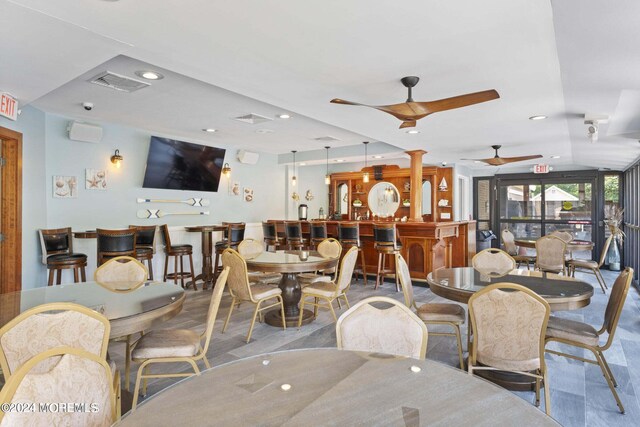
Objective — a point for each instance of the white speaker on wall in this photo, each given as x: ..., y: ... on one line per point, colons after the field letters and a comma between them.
x: 248, y: 157
x: 84, y: 132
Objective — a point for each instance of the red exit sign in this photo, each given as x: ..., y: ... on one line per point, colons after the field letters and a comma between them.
x: 8, y: 106
x: 540, y: 168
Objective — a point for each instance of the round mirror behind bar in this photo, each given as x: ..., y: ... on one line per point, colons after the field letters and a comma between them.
x: 384, y: 199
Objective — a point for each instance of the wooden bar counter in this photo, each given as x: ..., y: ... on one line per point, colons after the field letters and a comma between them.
x: 426, y: 246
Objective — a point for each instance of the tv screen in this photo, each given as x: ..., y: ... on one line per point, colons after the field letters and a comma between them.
x: 178, y: 165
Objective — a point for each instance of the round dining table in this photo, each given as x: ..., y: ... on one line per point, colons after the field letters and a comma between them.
x: 289, y: 263
x: 561, y: 292
x: 207, y: 276
x: 335, y: 387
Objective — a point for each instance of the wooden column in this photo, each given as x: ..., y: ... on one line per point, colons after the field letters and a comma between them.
x: 415, y: 209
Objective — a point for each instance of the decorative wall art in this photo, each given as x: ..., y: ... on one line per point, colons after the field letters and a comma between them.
x: 248, y: 194
x: 95, y: 179
x: 295, y: 196
x: 235, y: 189
x: 157, y: 213
x: 309, y: 196
x: 194, y: 201
x: 65, y: 187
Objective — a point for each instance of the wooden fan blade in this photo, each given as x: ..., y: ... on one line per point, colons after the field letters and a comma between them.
x: 520, y: 158
x: 344, y: 102
x: 408, y: 124
x: 459, y: 101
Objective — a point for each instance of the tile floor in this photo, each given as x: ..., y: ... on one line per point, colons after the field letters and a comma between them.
x: 579, y: 393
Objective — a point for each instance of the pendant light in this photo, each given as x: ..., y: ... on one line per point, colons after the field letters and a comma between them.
x: 365, y: 176
x: 294, y: 180
x: 327, y: 177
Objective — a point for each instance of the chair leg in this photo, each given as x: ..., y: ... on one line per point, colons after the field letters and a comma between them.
x: 364, y: 268
x: 537, y: 392
x: 459, y: 342
x: 175, y: 269
x: 602, y: 279
x: 166, y: 268
x: 253, y: 320
x: 83, y: 274
x: 600, y: 359
x: 50, y: 281
x: 226, y: 322
x: 136, y: 390
x: 193, y: 276
x: 181, y: 271
x: 127, y: 363
x: 58, y: 276
x: 335, y: 318
x: 301, y: 312
x: 150, y: 265
x: 547, y: 394
x: 395, y: 272
x: 75, y: 275
x: 315, y: 307
x: 206, y: 362
x: 606, y: 365
x: 595, y: 273
x: 346, y: 301
x: 380, y: 266
x: 284, y: 320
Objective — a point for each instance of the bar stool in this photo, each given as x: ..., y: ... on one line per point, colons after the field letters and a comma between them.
x: 114, y: 243
x: 270, y: 233
x: 232, y: 236
x: 386, y: 243
x: 146, y: 245
x: 58, y: 255
x: 177, y: 251
x: 293, y: 234
x: 318, y: 232
x: 349, y: 236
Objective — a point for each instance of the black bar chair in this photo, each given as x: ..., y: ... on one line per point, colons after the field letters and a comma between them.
x: 349, y: 236
x: 58, y: 255
x: 146, y: 245
x: 178, y: 252
x: 385, y: 238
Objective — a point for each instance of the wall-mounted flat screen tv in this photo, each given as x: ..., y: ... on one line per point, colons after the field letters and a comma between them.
x: 178, y: 165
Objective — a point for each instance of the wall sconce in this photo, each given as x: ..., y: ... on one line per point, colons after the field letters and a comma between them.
x: 116, y: 159
x: 226, y: 170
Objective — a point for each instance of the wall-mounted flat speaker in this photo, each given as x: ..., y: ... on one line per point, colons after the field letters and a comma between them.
x: 248, y: 157
x: 84, y: 132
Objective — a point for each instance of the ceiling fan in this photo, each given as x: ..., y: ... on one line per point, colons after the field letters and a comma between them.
x: 410, y: 111
x: 499, y: 161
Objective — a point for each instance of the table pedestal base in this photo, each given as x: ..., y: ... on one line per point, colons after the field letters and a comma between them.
x: 274, y: 318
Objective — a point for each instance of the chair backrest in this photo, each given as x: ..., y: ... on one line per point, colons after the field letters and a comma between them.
x: 214, y: 306
x: 345, y: 272
x: 395, y: 330
x: 349, y: 233
x: 250, y: 248
x: 405, y: 281
x: 121, y: 242
x: 293, y: 230
x: 122, y: 269
x: 508, y: 239
x: 605, y: 249
x: 77, y: 376
x: 330, y: 248
x: 238, y: 279
x: 385, y: 235
x: 52, y: 325
x: 550, y: 251
x: 146, y: 235
x: 55, y: 241
x: 493, y: 261
x: 269, y: 231
x: 166, y: 236
x: 565, y: 236
x: 234, y: 233
x: 508, y: 327
x: 616, y: 303
x: 318, y: 230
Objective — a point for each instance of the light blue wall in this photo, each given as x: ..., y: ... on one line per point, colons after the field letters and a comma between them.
x: 31, y: 124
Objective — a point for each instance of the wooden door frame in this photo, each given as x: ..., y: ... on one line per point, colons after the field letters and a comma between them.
x: 11, y: 211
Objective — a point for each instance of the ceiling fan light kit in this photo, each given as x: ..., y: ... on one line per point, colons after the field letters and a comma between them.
x: 410, y: 112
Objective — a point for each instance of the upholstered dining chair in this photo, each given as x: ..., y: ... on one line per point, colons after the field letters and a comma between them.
x: 565, y: 236
x: 250, y: 248
x: 330, y: 291
x: 176, y: 345
x: 328, y: 248
x: 51, y: 325
x: 508, y: 239
x: 585, y: 336
x: 432, y: 313
x: 394, y: 330
x: 493, y: 261
x: 550, y: 254
x: 242, y: 291
x: 77, y: 376
x: 509, y: 333
x: 590, y: 266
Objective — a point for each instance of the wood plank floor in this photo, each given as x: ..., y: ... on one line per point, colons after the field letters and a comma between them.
x: 579, y: 393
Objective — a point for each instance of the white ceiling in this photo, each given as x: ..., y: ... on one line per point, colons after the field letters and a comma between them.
x: 561, y: 59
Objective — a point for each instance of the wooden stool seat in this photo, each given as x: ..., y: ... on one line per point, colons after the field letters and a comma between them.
x: 145, y: 245
x: 180, y: 250
x: 177, y: 251
x: 66, y: 258
x: 143, y: 251
x: 58, y: 255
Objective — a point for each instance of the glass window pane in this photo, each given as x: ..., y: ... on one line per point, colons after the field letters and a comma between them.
x: 523, y: 230
x: 567, y: 201
x: 611, y: 197
x: 520, y: 202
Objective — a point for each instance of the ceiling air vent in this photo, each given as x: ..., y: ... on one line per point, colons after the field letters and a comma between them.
x: 118, y: 82
x: 327, y: 138
x: 253, y: 119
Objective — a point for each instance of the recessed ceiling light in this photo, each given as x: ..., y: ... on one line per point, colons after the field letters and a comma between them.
x: 339, y: 160
x: 540, y: 117
x: 555, y: 157
x: 413, y: 131
x: 377, y: 157
x: 149, y: 75
x: 284, y: 116
x: 210, y: 130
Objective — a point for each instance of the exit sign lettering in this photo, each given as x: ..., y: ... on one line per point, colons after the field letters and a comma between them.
x: 540, y: 168
x: 8, y: 106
